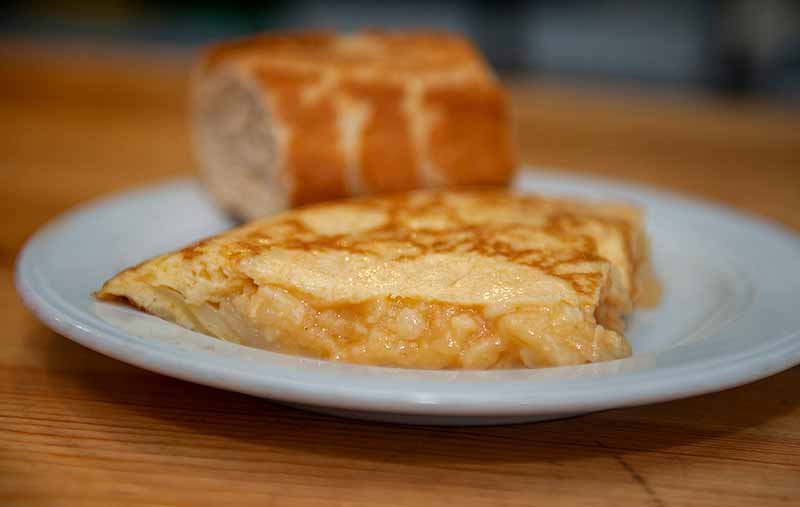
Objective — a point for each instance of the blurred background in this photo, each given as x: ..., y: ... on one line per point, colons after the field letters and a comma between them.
x: 747, y: 47
x: 698, y: 96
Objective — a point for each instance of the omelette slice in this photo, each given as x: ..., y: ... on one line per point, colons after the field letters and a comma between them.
x: 472, y: 279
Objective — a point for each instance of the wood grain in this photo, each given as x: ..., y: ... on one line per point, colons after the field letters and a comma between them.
x: 77, y: 428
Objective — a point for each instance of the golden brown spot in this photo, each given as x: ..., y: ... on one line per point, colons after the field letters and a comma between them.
x: 476, y: 132
x: 195, y: 249
x: 299, y: 42
x: 387, y: 156
x: 314, y: 159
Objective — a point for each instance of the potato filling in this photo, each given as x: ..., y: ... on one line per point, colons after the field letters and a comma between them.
x: 409, y: 333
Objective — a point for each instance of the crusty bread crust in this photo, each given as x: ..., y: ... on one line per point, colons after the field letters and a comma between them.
x: 288, y: 119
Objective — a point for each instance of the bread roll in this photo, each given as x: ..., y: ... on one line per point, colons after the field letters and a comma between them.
x: 285, y: 120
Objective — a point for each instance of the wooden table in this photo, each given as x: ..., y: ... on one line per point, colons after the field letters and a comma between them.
x: 77, y: 428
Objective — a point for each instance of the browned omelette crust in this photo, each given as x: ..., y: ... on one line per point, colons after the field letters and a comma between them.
x: 425, y: 108
x: 448, y: 231
x: 597, y: 250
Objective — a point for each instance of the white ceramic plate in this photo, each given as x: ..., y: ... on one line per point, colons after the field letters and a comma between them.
x: 729, y: 314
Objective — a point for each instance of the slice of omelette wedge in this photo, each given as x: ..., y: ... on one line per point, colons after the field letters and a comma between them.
x: 471, y: 279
